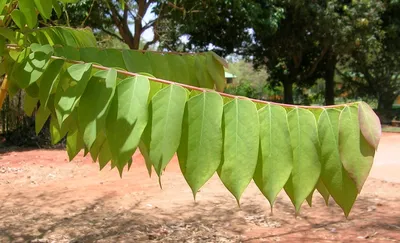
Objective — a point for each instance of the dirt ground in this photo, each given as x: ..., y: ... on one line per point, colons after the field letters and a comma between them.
x: 44, y: 198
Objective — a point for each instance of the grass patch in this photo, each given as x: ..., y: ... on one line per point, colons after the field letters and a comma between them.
x: 390, y: 129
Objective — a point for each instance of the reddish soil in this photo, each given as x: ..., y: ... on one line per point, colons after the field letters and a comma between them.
x: 44, y: 198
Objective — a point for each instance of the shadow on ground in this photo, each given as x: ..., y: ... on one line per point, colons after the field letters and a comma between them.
x: 48, y: 219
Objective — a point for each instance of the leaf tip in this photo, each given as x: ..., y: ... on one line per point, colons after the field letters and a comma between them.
x: 238, y: 202
x: 159, y: 181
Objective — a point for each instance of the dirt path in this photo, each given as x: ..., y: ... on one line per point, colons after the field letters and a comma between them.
x: 44, y: 198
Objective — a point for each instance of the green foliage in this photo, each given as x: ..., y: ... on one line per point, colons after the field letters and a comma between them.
x: 356, y: 153
x: 306, y: 164
x: 127, y: 118
x: 169, y: 66
x: 111, y: 118
x: 201, y: 143
x: 241, y: 141
x: 164, y: 131
x: 333, y: 174
x: 275, y: 161
x: 110, y: 112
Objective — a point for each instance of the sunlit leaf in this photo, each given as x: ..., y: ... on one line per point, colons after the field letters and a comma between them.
x: 127, y: 118
x: 27, y: 7
x: 66, y: 100
x: 167, y: 108
x: 305, y: 146
x: 334, y: 176
x: 275, y: 160
x: 94, y: 103
x: 49, y: 80
x: 356, y: 153
x: 201, y: 143
x: 370, y: 124
x: 241, y: 130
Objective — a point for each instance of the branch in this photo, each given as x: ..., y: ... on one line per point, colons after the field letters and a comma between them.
x: 112, y: 34
x: 131, y: 74
x: 149, y: 25
x: 176, y: 7
x: 149, y: 43
x: 90, y: 11
x: 321, y: 56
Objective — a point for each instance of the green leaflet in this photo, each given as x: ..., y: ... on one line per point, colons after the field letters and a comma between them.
x: 57, y: 8
x: 370, y: 124
x: 29, y: 104
x: 66, y: 100
x: 49, y: 80
x: 159, y: 65
x: 63, y: 36
x: 2, y: 49
x: 201, y: 144
x: 216, y: 71
x: 94, y: 103
x: 55, y: 131
x: 30, y: 69
x: 2, y: 5
x: 7, y: 33
x: 18, y: 18
x: 74, y: 139
x: 127, y: 118
x: 306, y: 165
x: 323, y: 191
x: 144, y: 150
x: 203, y: 77
x: 41, y: 117
x: 68, y: 36
x: 104, y: 155
x: 320, y: 187
x: 241, y: 141
x: 90, y: 54
x: 27, y: 7
x: 154, y: 88
x: 310, y: 198
x: 356, y: 153
x: 191, y: 65
x: 98, y: 143
x: 112, y: 58
x: 67, y: 52
x: 136, y: 61
x: 165, y: 124
x: 276, y: 161
x: 177, y: 62
x: 44, y: 8
x: 333, y: 175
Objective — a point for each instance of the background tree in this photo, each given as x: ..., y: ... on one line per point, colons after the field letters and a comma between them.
x: 373, y: 69
x: 297, y: 41
x: 116, y: 18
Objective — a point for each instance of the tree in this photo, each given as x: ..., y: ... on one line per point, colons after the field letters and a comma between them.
x: 297, y: 41
x: 96, y: 98
x: 114, y: 19
x: 373, y: 69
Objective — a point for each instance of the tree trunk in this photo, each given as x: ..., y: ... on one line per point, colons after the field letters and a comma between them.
x: 385, y: 104
x: 330, y: 80
x: 287, y: 92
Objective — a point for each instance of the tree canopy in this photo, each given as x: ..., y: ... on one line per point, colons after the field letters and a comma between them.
x: 373, y: 69
x: 297, y: 41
